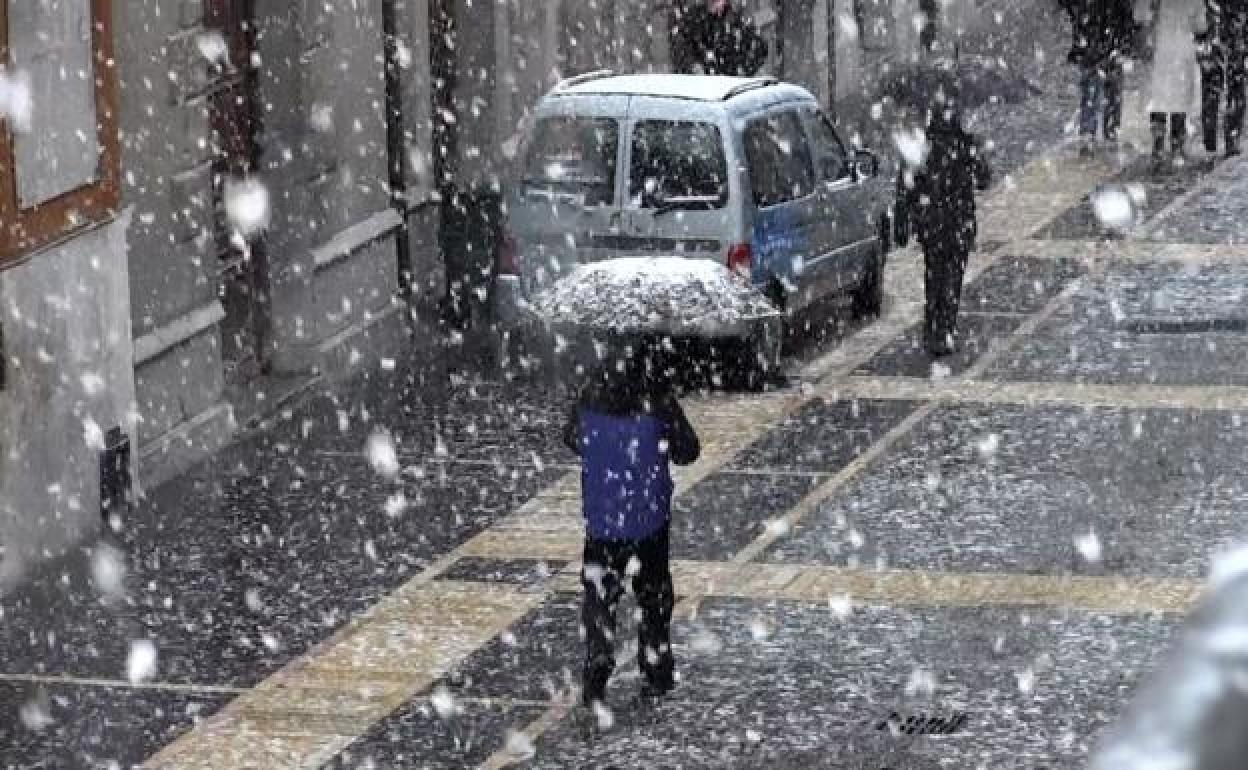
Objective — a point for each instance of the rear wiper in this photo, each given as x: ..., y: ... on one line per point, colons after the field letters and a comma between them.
x: 686, y: 203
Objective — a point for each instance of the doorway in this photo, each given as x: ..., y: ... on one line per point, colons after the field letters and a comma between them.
x: 242, y: 275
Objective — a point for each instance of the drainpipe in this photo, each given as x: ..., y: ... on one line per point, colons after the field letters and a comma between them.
x: 396, y: 156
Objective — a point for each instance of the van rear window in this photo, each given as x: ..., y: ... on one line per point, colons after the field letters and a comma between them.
x: 678, y: 164
x: 575, y: 155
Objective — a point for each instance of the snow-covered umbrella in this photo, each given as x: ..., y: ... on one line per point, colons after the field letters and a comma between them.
x: 655, y: 295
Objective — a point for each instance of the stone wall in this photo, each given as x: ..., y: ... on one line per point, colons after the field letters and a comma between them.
x: 69, y: 380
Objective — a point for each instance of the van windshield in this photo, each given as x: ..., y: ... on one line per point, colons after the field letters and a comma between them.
x: 678, y: 164
x: 574, y: 155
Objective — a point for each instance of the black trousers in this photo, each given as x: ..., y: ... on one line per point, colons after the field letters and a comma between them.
x: 1177, y: 122
x: 944, y: 265
x: 1226, y: 71
x: 608, y: 566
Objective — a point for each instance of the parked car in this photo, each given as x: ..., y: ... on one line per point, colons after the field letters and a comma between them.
x: 749, y: 172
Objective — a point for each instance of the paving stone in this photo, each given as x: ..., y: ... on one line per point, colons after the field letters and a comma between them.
x: 823, y: 436
x: 723, y: 513
x: 1019, y: 285
x: 1147, y: 324
x: 762, y: 681
x: 416, y: 736
x: 907, y: 356
x: 1214, y: 214
x: 91, y: 726
x: 1012, y: 489
x: 527, y: 572
x: 1080, y: 221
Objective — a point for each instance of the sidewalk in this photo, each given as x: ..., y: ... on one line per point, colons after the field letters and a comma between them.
x: 247, y: 561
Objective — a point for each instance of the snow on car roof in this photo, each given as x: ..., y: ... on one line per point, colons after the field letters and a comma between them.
x: 705, y: 88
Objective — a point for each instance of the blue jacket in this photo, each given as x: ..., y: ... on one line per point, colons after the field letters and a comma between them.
x: 625, y: 443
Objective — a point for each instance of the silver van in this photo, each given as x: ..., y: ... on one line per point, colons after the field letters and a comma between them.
x: 745, y: 171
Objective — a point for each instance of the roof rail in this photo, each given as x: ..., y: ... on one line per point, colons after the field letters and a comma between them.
x: 759, y: 82
x: 585, y: 77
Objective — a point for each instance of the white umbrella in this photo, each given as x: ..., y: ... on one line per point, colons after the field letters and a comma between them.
x: 663, y: 295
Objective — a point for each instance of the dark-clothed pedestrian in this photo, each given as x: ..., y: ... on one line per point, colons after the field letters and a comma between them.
x: 1172, y: 86
x: 937, y: 200
x: 627, y: 427
x: 1223, y: 50
x: 715, y: 38
x: 1103, y: 32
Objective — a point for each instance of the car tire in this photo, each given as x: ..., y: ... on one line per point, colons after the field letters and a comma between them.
x: 757, y: 362
x: 869, y: 296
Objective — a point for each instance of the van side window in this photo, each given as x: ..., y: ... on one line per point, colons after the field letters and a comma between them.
x: 779, y: 159
x: 678, y: 164
x: 574, y: 155
x: 831, y: 159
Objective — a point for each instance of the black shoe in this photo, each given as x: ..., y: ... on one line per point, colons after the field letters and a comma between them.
x: 594, y: 687
x: 654, y: 689
x: 1085, y: 152
x: 1232, y: 150
x: 939, y: 347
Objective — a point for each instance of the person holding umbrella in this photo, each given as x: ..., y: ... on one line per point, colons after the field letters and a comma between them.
x: 627, y: 427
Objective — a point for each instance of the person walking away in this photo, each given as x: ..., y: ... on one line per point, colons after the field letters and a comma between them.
x: 1102, y: 33
x: 1172, y: 85
x: 713, y: 37
x: 938, y: 199
x: 1212, y: 58
x: 627, y: 426
x: 1223, y: 70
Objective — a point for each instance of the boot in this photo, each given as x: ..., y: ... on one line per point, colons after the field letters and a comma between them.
x: 1157, y: 124
x: 1178, y: 137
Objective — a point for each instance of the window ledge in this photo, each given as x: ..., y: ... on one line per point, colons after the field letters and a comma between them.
x: 356, y: 237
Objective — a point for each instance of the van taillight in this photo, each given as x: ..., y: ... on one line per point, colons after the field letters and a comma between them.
x: 741, y: 260
x: 508, y: 258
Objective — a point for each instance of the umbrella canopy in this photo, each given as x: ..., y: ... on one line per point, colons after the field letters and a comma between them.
x: 663, y: 295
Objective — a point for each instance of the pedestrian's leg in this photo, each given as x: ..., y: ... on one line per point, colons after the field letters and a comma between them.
x: 653, y: 587
x: 941, y: 309
x: 1157, y: 122
x: 1090, y: 99
x: 931, y: 300
x: 953, y: 289
x: 1113, y: 100
x: 1178, y: 134
x: 1235, y: 96
x: 1210, y: 103
x: 600, y: 583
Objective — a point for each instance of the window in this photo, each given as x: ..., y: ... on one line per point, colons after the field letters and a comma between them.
x: 779, y: 159
x: 575, y: 155
x: 678, y: 164
x: 832, y: 161
x: 60, y: 173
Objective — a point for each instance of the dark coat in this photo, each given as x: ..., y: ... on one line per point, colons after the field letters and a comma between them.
x: 627, y: 427
x: 1103, y: 30
x: 721, y: 44
x: 938, y: 200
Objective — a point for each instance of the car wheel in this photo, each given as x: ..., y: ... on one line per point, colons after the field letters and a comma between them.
x: 758, y: 360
